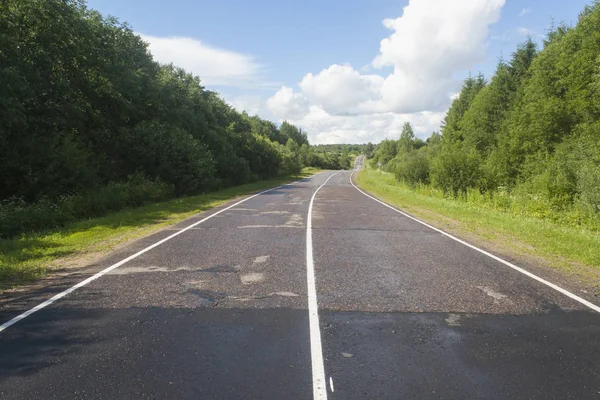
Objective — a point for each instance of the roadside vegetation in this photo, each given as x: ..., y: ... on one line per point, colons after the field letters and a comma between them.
x: 518, y: 154
x: 30, y: 256
x: 526, y: 142
x: 338, y: 155
x: 91, y: 124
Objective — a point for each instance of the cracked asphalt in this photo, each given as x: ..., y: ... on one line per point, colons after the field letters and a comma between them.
x: 220, y: 312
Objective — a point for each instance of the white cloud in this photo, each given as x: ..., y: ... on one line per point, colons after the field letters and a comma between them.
x: 214, y: 66
x: 253, y: 105
x: 340, y: 89
x: 323, y: 127
x: 288, y: 104
x: 525, y: 11
x: 430, y: 44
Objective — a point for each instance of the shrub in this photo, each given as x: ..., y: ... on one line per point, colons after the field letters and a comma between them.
x: 456, y: 170
x: 18, y: 216
x: 588, y: 187
x: 413, y: 168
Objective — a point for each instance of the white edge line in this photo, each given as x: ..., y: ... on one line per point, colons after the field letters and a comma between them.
x: 316, y: 348
x: 508, y: 264
x: 131, y: 257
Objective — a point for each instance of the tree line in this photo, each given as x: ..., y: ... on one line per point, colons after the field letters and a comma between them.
x: 531, y: 133
x: 91, y: 123
x: 340, y: 156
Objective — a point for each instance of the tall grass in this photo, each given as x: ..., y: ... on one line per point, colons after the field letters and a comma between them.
x: 18, y: 216
x: 522, y: 203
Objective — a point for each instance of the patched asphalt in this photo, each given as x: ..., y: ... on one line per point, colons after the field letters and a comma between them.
x: 407, y: 313
x: 220, y: 312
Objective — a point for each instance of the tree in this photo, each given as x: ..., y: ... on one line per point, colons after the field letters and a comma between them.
x: 533, y: 131
x: 413, y: 168
x: 369, y: 150
x: 451, y: 124
x: 86, y: 112
x: 386, y: 152
x: 485, y: 119
x: 456, y: 170
x: 407, y: 138
x: 289, y: 131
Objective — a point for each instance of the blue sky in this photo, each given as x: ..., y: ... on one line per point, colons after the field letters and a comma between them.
x: 258, y: 54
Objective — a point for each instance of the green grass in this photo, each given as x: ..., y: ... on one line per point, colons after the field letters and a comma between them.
x: 573, y: 250
x: 31, y: 255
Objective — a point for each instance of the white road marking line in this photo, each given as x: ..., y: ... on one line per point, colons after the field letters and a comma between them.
x: 508, y: 264
x: 331, y: 384
x: 316, y: 349
x: 139, y: 253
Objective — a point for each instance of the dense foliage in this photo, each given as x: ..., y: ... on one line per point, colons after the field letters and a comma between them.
x: 91, y: 123
x: 528, y: 138
x: 336, y: 156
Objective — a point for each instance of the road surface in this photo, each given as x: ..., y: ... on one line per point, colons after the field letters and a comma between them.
x: 231, y: 309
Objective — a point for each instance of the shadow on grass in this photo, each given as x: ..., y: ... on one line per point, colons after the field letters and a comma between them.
x: 27, y: 257
x: 19, y: 259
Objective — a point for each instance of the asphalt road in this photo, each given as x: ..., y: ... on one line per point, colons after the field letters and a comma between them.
x: 221, y: 311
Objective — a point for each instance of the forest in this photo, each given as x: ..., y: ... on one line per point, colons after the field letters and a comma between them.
x: 526, y: 140
x: 90, y: 123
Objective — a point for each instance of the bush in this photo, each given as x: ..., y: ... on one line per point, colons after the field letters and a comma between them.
x: 412, y: 168
x: 588, y: 187
x: 18, y: 216
x: 456, y: 170
x: 587, y: 167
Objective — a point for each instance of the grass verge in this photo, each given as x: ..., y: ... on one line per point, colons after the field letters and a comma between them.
x: 32, y: 255
x: 574, y: 251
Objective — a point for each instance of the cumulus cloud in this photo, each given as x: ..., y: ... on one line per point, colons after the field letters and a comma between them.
x: 251, y: 104
x: 323, y: 127
x: 340, y: 89
x: 429, y: 45
x: 214, y: 66
x: 288, y: 104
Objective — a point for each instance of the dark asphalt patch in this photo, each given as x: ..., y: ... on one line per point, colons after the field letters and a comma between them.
x: 157, y: 353
x: 462, y: 356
